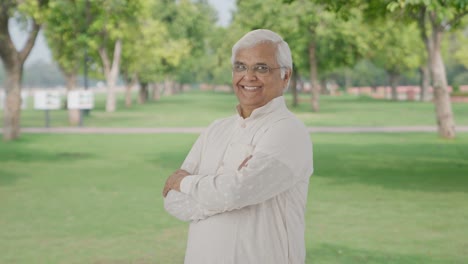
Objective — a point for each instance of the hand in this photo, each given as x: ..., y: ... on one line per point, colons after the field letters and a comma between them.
x: 244, y: 163
x: 173, y: 181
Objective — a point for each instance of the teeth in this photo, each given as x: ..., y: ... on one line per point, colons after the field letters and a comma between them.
x: 251, y: 88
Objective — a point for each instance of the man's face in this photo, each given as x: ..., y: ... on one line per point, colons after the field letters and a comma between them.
x: 253, y: 89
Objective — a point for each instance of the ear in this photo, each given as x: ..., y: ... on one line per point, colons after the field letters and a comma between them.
x: 287, y: 74
x: 287, y: 77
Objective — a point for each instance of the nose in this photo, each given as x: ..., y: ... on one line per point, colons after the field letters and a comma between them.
x: 250, y: 74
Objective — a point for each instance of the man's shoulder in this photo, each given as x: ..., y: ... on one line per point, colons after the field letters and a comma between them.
x: 222, y: 123
x: 288, y: 120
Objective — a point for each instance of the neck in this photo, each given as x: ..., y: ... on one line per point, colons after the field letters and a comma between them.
x: 245, y: 112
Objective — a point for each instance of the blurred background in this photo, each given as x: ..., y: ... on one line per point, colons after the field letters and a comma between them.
x: 102, y: 99
x: 394, y: 50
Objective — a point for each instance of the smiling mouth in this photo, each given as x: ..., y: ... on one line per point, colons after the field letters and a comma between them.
x: 251, y: 88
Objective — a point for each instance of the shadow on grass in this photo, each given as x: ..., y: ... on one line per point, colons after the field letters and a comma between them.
x: 9, y: 177
x: 421, y: 167
x: 22, y: 158
x: 330, y: 253
x: 169, y: 160
x: 40, y: 156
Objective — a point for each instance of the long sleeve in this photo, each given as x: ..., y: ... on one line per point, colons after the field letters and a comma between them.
x: 185, y: 208
x: 282, y: 157
x: 181, y: 205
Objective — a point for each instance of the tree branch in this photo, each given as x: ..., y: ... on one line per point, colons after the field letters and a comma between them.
x: 105, y: 60
x: 23, y: 54
x: 456, y: 19
x: 7, y: 48
x: 422, y: 23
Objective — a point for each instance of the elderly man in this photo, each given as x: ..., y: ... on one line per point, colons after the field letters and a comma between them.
x: 244, y: 184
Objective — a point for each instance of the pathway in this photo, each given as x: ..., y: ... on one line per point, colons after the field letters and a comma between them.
x: 197, y: 130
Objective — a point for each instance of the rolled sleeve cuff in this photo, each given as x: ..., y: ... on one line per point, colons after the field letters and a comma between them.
x: 186, y: 184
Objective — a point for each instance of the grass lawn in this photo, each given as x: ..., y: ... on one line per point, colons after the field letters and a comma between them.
x: 197, y: 108
x: 374, y: 198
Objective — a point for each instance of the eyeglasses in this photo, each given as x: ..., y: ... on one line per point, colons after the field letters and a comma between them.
x: 260, y: 69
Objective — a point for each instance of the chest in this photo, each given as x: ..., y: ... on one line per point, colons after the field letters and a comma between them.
x: 233, y: 142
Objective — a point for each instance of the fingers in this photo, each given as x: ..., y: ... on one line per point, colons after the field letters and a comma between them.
x: 244, y: 163
x: 173, y: 181
x: 166, y: 188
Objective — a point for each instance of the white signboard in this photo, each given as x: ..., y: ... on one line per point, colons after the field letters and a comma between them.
x: 24, y: 100
x: 80, y: 99
x: 47, y: 100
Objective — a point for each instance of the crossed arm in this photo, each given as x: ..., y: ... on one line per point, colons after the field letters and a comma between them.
x: 173, y: 181
x: 275, y: 166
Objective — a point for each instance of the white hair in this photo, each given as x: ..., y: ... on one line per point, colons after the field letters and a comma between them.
x: 252, y: 38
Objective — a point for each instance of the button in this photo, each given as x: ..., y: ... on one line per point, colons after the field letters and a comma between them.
x: 243, y: 125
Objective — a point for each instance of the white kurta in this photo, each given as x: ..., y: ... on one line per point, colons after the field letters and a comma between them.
x: 252, y: 213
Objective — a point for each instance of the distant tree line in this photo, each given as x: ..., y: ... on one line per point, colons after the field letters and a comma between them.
x: 161, y: 45
x: 42, y: 74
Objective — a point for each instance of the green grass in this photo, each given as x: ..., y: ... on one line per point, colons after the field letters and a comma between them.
x: 374, y: 198
x: 201, y: 108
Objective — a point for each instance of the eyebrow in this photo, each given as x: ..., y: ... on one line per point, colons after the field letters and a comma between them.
x: 258, y: 63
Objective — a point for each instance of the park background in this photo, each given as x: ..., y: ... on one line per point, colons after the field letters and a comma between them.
x: 90, y: 191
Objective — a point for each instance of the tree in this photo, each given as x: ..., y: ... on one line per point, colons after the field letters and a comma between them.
x: 109, y: 21
x: 396, y: 48
x: 31, y: 13
x: 65, y: 31
x: 461, y: 51
x: 188, y: 23
x: 320, y: 41
x: 434, y: 19
x: 195, y: 21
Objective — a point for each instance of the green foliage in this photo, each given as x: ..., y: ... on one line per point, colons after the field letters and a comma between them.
x: 173, y: 41
x: 396, y: 46
x: 108, y: 22
x: 460, y: 40
x: 66, y: 33
x: 337, y: 42
x: 195, y: 22
x: 34, y: 9
x: 447, y: 14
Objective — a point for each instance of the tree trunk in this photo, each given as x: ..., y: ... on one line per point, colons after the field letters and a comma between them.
x: 168, y: 86
x: 293, y: 86
x: 323, y: 87
x: 144, y: 93
x: 128, y: 90
x: 12, y: 108
x: 425, y: 82
x: 393, y: 79
x: 315, y: 89
x: 443, y: 105
x: 73, y: 114
x: 348, y: 79
x: 175, y: 87
x: 111, y: 71
x: 13, y: 61
x: 156, y: 91
x: 128, y: 95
